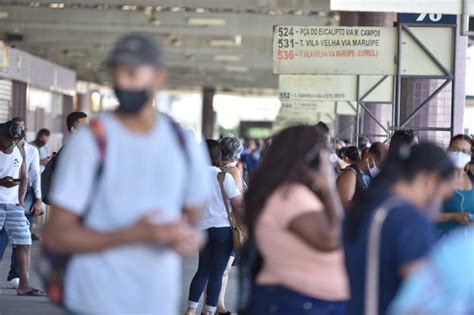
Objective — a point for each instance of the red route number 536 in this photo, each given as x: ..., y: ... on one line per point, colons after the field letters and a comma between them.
x: 286, y: 54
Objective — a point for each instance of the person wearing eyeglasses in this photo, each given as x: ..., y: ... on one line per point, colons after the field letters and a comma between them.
x: 458, y: 210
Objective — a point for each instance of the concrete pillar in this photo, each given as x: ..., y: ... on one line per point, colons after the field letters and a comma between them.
x: 208, y: 116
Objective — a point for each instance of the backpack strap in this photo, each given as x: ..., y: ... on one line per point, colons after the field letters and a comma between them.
x: 98, y: 130
x: 372, y: 269
x: 99, y: 134
x: 179, y: 132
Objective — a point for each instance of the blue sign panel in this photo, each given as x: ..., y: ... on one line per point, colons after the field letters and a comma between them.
x: 427, y: 18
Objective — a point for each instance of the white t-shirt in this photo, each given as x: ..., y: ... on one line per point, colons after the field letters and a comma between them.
x: 215, y: 214
x: 141, y: 174
x: 44, y: 152
x: 33, y: 168
x: 10, y: 165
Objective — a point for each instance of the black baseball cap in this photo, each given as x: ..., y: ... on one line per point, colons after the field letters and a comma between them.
x: 11, y: 130
x: 136, y: 49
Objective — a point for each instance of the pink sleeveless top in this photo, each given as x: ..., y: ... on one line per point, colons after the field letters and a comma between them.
x: 288, y: 260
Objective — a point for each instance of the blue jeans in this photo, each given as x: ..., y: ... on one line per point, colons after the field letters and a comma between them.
x: 14, y: 267
x: 277, y: 300
x: 213, y: 261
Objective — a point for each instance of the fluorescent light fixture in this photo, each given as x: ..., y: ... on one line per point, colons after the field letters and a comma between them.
x: 227, y: 58
x: 222, y: 43
x: 275, y: 12
x: 236, y: 69
x: 177, y: 9
x: 226, y: 42
x: 238, y: 39
x: 56, y: 5
x: 201, y: 10
x: 207, y: 22
x: 129, y: 7
x: 148, y: 10
x: 3, y: 15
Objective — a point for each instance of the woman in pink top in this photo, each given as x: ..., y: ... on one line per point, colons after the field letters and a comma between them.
x: 294, y: 215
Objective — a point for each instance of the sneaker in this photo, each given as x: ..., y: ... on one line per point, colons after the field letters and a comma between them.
x: 13, y: 283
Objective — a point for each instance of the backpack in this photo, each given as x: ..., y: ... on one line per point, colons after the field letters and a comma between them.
x: 47, y: 177
x: 52, y: 266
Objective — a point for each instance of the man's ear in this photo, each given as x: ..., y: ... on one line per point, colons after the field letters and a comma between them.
x: 161, y: 78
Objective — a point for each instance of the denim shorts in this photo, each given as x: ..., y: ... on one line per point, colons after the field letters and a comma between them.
x: 15, y: 223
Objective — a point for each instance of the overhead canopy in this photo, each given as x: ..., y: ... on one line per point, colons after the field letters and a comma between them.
x: 226, y: 43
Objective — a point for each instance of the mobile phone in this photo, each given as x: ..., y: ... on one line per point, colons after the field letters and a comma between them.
x: 313, y: 158
x: 16, y: 180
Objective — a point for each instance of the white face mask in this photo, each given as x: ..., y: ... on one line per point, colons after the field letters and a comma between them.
x: 459, y: 159
x: 374, y: 170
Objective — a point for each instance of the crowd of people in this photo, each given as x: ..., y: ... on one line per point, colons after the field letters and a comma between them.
x: 329, y: 228
x: 21, y: 201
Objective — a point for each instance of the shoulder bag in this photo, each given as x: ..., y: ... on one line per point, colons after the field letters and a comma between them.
x: 236, y: 220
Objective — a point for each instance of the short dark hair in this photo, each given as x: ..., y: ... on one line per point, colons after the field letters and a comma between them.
x: 215, y: 154
x: 19, y: 119
x: 353, y: 154
x: 43, y: 133
x: 461, y: 137
x: 402, y: 136
x: 10, y: 130
x: 323, y: 127
x: 73, y: 118
x: 375, y: 150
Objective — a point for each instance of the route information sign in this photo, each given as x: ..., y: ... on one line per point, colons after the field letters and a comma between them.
x: 334, y: 50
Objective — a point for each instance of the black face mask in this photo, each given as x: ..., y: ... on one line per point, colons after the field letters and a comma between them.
x: 23, y: 134
x: 131, y: 101
x: 40, y: 143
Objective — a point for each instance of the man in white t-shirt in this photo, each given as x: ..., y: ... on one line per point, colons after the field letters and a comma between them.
x: 13, y: 180
x: 33, y: 204
x: 139, y: 214
x: 41, y: 143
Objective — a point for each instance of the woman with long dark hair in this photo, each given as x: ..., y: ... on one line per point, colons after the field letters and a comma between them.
x: 294, y: 218
x: 401, y: 201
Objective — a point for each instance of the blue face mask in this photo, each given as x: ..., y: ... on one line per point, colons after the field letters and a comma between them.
x: 131, y: 101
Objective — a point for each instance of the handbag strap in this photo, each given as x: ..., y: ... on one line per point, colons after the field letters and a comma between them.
x: 220, y: 179
x: 372, y: 276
